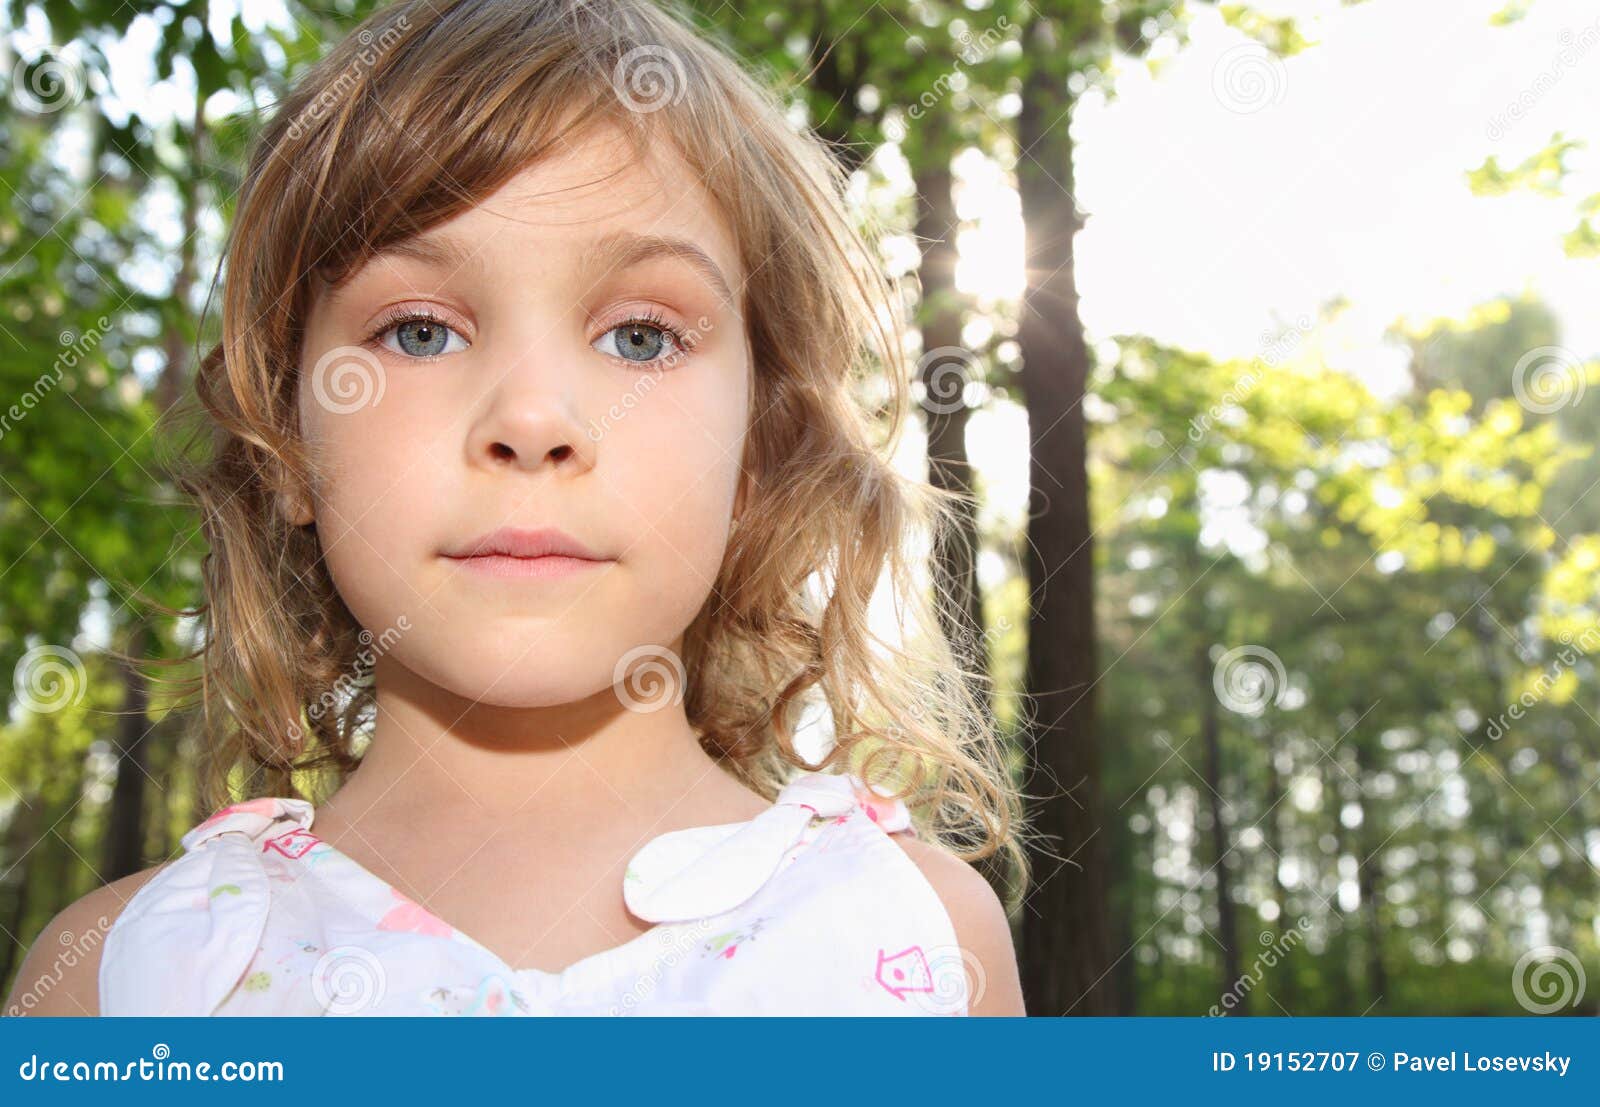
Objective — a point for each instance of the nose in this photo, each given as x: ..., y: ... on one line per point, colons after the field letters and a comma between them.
x: 528, y: 424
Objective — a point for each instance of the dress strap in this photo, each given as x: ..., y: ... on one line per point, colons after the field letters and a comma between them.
x: 705, y: 871
x: 271, y: 819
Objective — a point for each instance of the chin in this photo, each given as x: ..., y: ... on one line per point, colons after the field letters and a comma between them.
x: 543, y: 677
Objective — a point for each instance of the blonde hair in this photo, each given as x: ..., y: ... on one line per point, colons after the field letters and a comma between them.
x: 485, y: 88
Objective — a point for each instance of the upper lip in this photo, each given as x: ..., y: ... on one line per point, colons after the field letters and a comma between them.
x: 513, y: 542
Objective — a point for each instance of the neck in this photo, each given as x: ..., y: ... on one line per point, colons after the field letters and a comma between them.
x: 434, y: 752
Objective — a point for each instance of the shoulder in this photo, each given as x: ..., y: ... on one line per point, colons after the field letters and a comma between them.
x: 981, y: 925
x: 60, y: 975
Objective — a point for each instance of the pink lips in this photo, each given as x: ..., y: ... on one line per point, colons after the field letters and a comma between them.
x: 510, y: 552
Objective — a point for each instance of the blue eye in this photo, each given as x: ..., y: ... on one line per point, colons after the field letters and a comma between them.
x: 419, y: 335
x: 642, y: 341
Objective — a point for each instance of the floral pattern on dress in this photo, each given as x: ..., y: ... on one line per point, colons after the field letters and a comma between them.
x: 816, y: 912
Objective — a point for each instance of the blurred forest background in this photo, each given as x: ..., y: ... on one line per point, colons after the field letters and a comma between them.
x: 1298, y: 657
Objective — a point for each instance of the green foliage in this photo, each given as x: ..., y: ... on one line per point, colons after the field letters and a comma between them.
x: 1541, y: 172
x: 1394, y: 560
x: 1413, y: 787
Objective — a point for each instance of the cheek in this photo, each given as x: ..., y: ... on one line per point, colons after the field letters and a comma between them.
x: 375, y: 465
x: 681, y: 472
x: 379, y: 436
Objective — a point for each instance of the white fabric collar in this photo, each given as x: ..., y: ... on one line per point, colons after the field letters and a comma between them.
x: 704, y: 871
x: 681, y: 875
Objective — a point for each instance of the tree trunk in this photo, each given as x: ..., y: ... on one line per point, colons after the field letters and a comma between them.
x: 125, y: 824
x: 124, y: 845
x: 1211, y: 741
x: 946, y: 367
x: 174, y: 373
x: 1343, y: 990
x: 1367, y: 881
x: 1065, y: 956
x: 1272, y: 831
x: 1128, y: 857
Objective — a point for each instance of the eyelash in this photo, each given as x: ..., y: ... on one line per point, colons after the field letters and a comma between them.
x: 681, y: 343
x: 395, y: 317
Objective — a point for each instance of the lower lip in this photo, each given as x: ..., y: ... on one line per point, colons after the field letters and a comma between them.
x: 526, y: 567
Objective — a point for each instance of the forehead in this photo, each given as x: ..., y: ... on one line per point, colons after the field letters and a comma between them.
x: 597, y: 189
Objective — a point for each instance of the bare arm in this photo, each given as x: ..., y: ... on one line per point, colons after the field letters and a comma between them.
x: 982, y: 929
x: 61, y: 974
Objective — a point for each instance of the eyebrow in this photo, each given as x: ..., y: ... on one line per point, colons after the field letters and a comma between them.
x: 435, y: 251
x: 616, y: 250
x: 621, y: 249
x: 439, y: 251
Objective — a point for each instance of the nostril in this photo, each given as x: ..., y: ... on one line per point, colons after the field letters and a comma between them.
x: 500, y: 451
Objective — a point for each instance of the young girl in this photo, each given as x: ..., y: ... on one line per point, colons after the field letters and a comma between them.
x: 543, y: 500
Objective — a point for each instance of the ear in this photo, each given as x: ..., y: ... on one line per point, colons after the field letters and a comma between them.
x: 294, y: 505
x: 296, y: 510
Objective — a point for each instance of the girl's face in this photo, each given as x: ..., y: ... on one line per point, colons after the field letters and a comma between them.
x: 566, y: 355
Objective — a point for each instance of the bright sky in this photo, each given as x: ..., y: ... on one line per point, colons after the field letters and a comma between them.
x: 1234, y: 193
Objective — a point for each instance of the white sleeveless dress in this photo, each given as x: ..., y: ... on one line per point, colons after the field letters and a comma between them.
x: 807, y: 909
